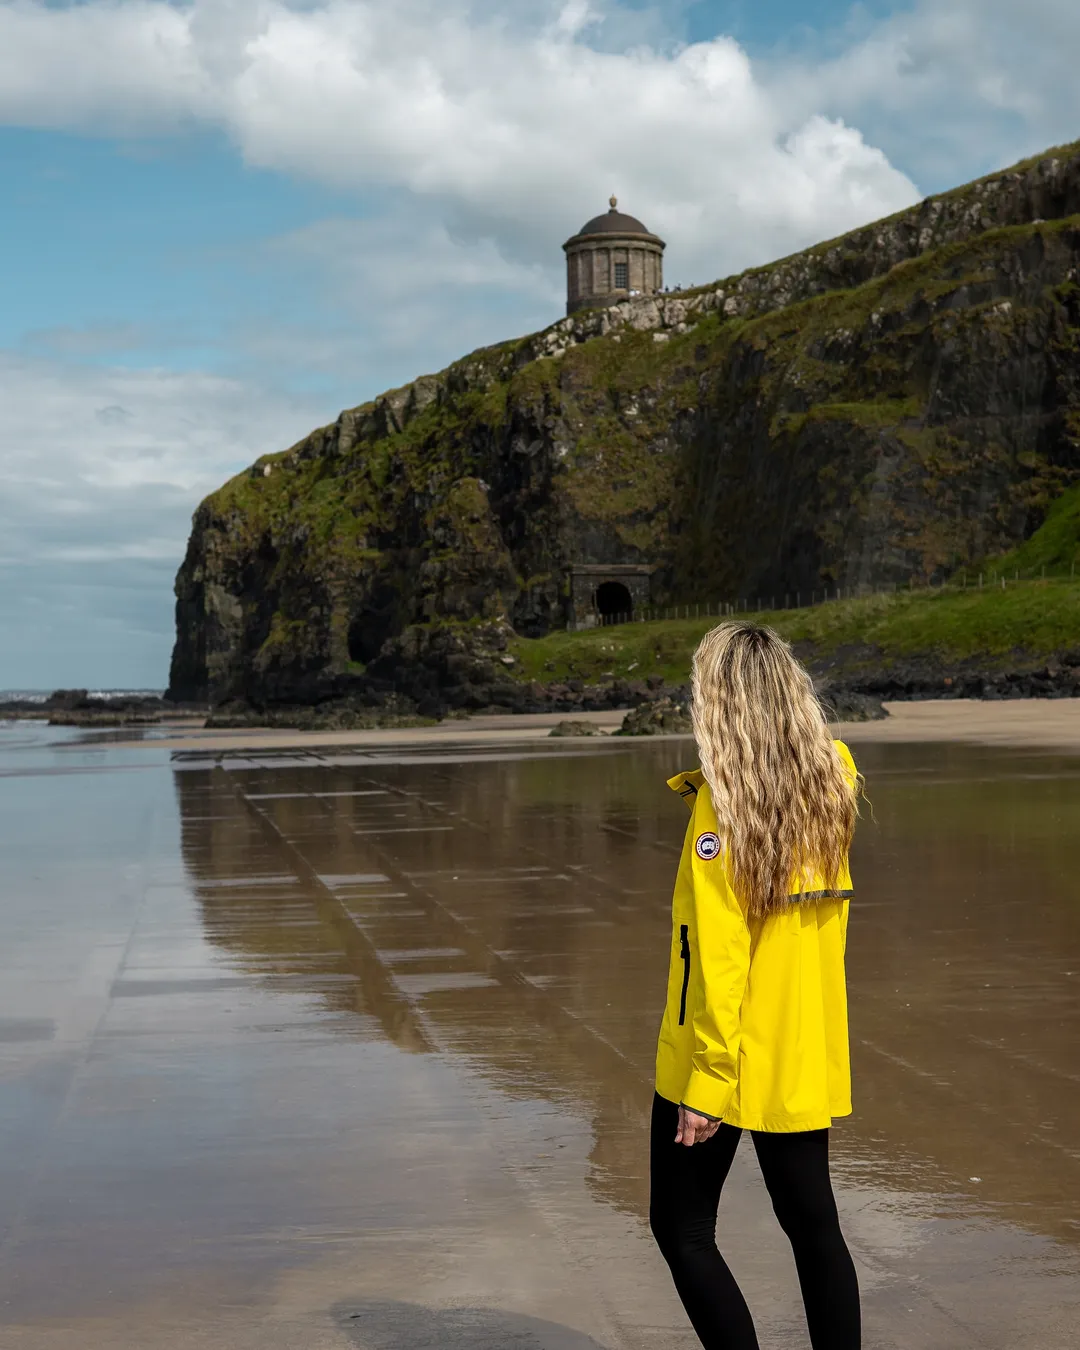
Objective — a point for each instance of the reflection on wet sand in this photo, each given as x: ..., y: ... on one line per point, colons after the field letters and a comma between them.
x: 515, y: 913
x: 364, y: 1059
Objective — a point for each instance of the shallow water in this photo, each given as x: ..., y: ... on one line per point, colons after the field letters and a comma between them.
x: 356, y: 1048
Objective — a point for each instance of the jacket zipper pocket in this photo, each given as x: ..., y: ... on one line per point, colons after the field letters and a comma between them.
x: 684, y: 932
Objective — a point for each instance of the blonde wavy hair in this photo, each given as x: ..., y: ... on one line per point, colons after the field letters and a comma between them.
x: 786, y: 806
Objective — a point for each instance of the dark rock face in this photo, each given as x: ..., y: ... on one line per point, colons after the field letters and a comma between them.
x: 892, y: 404
x: 441, y: 666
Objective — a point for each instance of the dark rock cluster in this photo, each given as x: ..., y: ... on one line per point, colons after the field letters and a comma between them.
x: 576, y: 727
x: 850, y: 705
x: 78, y: 708
x: 665, y: 716
x: 921, y: 680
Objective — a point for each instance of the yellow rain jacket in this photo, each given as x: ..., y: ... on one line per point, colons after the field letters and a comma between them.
x: 755, y: 1030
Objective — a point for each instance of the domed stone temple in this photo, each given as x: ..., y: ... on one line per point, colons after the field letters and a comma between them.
x: 611, y: 257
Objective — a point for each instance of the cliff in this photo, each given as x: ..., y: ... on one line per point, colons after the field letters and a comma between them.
x: 890, y: 405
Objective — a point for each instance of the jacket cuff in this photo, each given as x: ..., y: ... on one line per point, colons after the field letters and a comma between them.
x: 708, y: 1096
x: 700, y: 1113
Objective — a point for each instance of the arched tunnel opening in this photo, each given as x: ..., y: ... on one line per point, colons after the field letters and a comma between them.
x: 613, y: 601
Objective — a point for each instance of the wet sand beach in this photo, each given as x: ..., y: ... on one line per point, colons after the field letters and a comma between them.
x: 348, y: 1043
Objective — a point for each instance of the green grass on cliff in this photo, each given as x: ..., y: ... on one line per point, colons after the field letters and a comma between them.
x: 1032, y: 619
x: 1053, y: 548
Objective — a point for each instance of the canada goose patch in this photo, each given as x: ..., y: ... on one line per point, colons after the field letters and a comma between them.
x: 707, y: 846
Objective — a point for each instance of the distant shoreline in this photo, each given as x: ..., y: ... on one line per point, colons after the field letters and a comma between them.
x: 1045, y: 724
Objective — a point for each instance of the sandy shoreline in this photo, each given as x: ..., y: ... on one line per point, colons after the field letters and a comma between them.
x: 1049, y: 724
x: 1038, y: 723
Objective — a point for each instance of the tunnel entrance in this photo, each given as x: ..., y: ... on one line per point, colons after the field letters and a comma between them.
x: 602, y: 593
x: 613, y: 602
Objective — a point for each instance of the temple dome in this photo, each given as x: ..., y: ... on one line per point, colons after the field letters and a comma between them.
x: 613, y: 221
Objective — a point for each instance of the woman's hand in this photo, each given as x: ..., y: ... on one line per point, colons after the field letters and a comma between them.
x: 694, y: 1129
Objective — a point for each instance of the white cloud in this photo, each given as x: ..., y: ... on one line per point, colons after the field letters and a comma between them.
x: 574, y: 18
x: 94, y: 512
x: 116, y: 64
x: 514, y: 130
x: 178, y: 431
x: 515, y: 125
x: 955, y: 86
x: 408, y: 297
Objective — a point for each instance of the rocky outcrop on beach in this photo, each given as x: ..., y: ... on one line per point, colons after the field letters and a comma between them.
x: 889, y: 405
x: 80, y: 708
x: 576, y: 728
x: 665, y: 716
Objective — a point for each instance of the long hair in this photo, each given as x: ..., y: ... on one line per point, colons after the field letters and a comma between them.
x: 786, y: 807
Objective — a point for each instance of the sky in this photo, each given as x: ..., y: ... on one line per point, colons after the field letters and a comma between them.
x: 223, y: 221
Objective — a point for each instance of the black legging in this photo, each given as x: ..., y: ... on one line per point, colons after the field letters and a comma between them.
x: 686, y: 1186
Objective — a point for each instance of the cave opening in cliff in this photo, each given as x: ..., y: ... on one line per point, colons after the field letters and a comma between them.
x: 378, y: 620
x: 613, y: 601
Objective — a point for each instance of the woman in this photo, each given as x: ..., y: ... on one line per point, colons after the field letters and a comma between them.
x: 754, y: 1034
